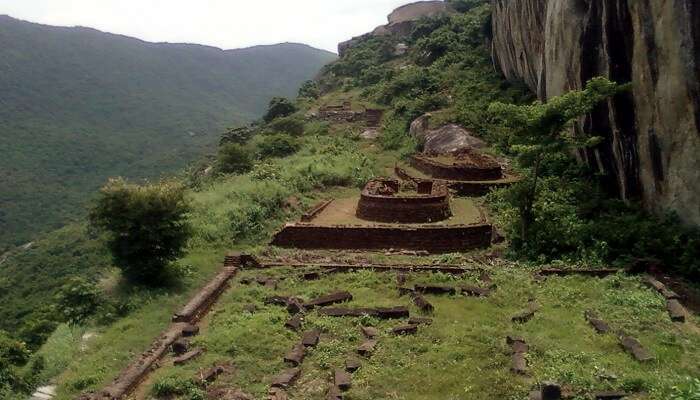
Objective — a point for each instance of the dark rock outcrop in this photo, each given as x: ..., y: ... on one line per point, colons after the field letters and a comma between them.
x: 652, y: 134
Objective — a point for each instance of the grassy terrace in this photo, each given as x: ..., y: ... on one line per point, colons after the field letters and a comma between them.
x: 463, y: 354
x: 342, y: 211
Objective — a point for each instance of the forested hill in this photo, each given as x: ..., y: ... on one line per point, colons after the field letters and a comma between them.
x: 78, y: 105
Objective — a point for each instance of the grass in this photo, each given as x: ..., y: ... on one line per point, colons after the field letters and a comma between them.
x: 342, y: 212
x: 463, y: 354
x: 95, y: 365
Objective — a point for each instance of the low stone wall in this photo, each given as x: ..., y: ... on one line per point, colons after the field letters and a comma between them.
x: 433, y: 239
x: 432, y: 206
x: 455, y: 172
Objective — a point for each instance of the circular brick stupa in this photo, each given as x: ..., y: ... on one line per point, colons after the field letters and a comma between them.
x: 464, y: 165
x: 382, y: 200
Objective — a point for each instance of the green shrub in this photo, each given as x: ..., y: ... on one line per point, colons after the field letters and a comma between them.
x: 309, y: 90
x: 234, y: 159
x: 185, y: 388
x: 290, y: 125
x: 13, y: 354
x: 279, y: 107
x: 147, y: 226
x: 279, y: 145
x: 77, y: 301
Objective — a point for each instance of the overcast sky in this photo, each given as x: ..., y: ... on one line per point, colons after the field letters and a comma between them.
x: 222, y: 23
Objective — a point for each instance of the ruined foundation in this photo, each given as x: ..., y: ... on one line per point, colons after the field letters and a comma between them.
x: 381, y: 201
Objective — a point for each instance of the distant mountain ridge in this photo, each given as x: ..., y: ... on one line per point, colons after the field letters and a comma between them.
x: 78, y: 105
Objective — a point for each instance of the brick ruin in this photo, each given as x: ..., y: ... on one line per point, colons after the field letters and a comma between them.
x: 382, y: 201
x: 465, y: 165
x: 176, y: 338
x: 344, y: 113
x: 432, y: 239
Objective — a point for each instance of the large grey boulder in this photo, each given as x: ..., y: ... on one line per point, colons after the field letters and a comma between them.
x: 445, y: 139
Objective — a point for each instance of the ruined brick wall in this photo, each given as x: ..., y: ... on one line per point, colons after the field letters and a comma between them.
x: 455, y: 172
x: 438, y: 239
x: 432, y: 206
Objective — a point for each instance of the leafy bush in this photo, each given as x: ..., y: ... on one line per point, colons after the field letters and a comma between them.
x: 309, y: 90
x: 290, y: 125
x: 186, y: 388
x: 537, y: 134
x: 13, y: 354
x: 279, y: 107
x: 234, y: 159
x: 77, y: 301
x: 147, y: 226
x: 279, y: 145
x: 363, y: 55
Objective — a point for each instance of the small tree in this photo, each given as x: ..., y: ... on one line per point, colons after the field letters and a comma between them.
x: 538, y: 131
x: 309, y: 90
x: 13, y: 355
x: 147, y: 226
x: 279, y: 145
x: 290, y: 125
x: 77, y: 301
x: 279, y: 107
x: 234, y: 159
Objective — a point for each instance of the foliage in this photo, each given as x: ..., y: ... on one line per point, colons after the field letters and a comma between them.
x: 538, y: 132
x: 279, y: 107
x: 147, y: 226
x: 186, y: 389
x: 309, y: 90
x: 77, y: 301
x: 292, y: 125
x: 79, y: 106
x: 466, y: 5
x: 238, y: 135
x: 30, y: 279
x: 13, y: 354
x: 278, y: 145
x: 691, y: 391
x: 365, y: 54
x: 234, y: 159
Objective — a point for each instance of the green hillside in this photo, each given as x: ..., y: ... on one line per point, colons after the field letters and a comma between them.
x: 273, y: 172
x: 78, y: 105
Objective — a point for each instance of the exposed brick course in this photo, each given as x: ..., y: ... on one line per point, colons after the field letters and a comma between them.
x: 433, y: 239
x: 457, y: 171
x: 430, y: 204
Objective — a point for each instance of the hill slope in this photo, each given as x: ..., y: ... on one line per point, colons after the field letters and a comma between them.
x: 79, y: 105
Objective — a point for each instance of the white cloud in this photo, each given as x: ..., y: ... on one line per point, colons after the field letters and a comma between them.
x: 221, y: 23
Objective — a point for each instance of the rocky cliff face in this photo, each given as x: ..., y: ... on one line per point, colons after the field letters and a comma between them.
x: 652, y: 146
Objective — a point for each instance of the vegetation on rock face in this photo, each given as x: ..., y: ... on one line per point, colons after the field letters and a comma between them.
x: 540, y: 134
x: 559, y: 209
x: 147, y: 227
x: 447, y: 68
